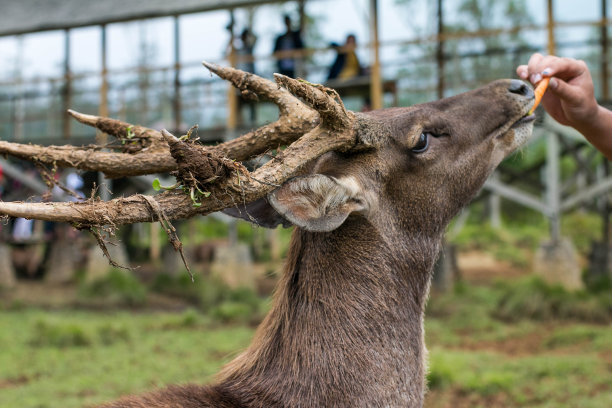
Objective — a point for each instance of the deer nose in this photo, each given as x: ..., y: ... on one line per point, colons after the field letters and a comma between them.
x: 520, y: 88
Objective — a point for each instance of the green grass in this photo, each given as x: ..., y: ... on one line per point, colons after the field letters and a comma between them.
x: 76, y: 358
x: 547, y: 380
x: 72, y: 358
x: 526, y: 361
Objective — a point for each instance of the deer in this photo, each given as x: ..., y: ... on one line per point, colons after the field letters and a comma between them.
x: 370, y: 195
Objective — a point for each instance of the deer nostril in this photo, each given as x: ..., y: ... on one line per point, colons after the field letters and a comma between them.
x: 520, y: 88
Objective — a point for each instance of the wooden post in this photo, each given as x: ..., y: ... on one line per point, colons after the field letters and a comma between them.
x: 553, y: 185
x: 605, y: 87
x: 176, y: 107
x: 551, y: 28
x: 101, y: 137
x: 67, y: 94
x: 232, y: 97
x: 299, y: 56
x: 302, y: 14
x: 155, y: 248
x: 605, y: 215
x: 18, y: 107
x: 495, y: 206
x: 375, y: 74
x: 440, y: 51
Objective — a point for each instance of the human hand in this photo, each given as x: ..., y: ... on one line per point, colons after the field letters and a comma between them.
x: 570, y: 99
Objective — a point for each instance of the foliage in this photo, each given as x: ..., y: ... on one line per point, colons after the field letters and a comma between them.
x: 512, y: 244
x: 119, y: 288
x: 213, y: 297
x: 533, y: 299
x: 583, y: 229
x: 519, y: 238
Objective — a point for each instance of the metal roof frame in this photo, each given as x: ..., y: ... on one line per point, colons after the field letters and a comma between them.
x: 30, y: 16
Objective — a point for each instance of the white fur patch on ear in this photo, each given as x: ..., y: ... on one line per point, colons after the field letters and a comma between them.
x: 318, y: 202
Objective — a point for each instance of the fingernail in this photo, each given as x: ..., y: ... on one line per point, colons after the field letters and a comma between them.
x: 523, y: 74
x: 553, y: 83
x: 546, y: 72
x: 535, y: 78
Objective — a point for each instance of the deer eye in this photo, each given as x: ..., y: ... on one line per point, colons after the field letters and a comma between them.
x: 422, y: 144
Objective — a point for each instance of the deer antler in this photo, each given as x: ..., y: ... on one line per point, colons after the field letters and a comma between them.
x: 227, y: 182
x: 144, y: 150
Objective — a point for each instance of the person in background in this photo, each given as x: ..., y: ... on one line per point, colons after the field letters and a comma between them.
x: 570, y: 98
x: 346, y: 64
x: 246, y: 62
x: 244, y: 51
x: 284, y: 44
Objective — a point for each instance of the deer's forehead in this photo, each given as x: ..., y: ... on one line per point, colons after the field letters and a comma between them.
x: 428, y: 116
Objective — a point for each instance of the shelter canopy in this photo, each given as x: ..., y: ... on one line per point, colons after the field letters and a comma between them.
x: 28, y: 16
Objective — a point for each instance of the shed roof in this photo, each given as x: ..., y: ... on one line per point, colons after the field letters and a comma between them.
x: 28, y: 16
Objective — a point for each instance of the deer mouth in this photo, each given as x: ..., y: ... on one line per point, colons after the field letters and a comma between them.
x: 523, y: 120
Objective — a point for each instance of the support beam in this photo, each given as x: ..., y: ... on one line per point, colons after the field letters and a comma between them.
x: 551, y: 27
x: 27, y: 180
x: 101, y: 137
x: 602, y: 187
x: 440, y: 50
x: 553, y: 183
x: 495, y: 206
x: 375, y: 74
x: 516, y: 195
x: 232, y: 97
x: 176, y: 106
x: 67, y: 90
x: 605, y: 224
x: 605, y: 88
x: 18, y: 105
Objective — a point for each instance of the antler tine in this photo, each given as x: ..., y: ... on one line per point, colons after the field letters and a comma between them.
x: 119, y: 129
x: 295, y: 118
x: 324, y: 100
x: 87, y: 158
x: 246, y: 81
x: 238, y: 186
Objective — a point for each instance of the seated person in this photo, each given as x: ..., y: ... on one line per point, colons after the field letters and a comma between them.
x: 346, y: 64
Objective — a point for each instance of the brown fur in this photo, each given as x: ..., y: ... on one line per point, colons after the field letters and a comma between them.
x: 346, y: 326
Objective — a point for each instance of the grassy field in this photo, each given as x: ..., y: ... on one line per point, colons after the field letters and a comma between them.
x: 483, y: 351
x: 78, y: 358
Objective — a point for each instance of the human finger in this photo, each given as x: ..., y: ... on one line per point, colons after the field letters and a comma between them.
x: 522, y: 71
x: 534, y: 68
x: 564, y: 68
x: 563, y: 90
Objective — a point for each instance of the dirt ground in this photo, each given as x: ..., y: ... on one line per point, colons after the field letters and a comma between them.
x: 481, y: 267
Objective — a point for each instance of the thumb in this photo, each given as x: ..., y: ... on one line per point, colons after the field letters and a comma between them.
x: 568, y: 93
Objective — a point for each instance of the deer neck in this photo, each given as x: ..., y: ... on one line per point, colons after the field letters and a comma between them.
x: 346, y: 328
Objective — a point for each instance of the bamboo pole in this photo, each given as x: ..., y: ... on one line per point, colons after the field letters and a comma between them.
x: 551, y: 28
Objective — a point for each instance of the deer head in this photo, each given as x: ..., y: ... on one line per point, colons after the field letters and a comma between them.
x: 371, y: 195
x: 424, y: 163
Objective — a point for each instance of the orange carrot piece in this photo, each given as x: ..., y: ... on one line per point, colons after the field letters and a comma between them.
x: 539, y: 93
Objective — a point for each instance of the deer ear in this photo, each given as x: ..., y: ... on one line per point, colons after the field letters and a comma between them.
x: 258, y: 212
x: 317, y: 202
